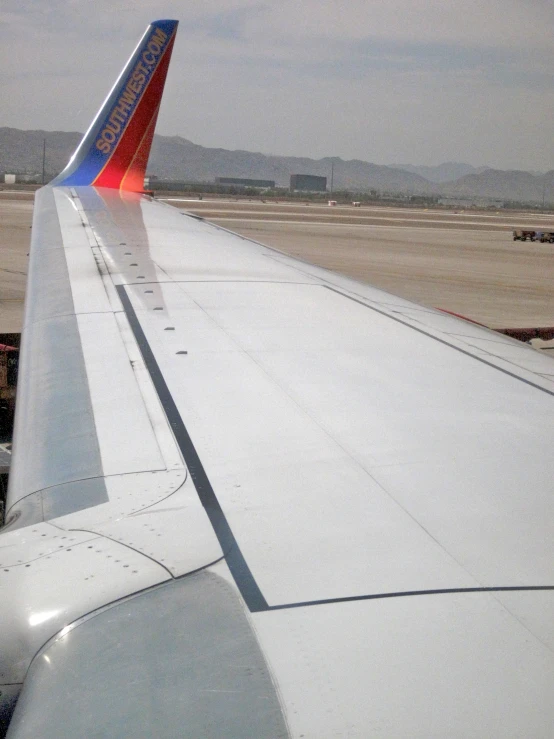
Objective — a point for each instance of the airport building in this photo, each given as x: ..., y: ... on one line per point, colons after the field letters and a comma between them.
x: 242, y: 182
x: 309, y: 182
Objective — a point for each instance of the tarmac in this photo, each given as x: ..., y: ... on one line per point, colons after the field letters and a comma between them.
x: 16, y: 211
x: 462, y: 261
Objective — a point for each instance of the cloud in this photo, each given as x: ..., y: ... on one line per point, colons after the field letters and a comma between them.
x: 499, y: 23
x: 230, y: 24
x: 417, y: 80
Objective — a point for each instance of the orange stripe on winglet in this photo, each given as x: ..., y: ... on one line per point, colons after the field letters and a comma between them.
x: 124, y: 162
x: 133, y: 179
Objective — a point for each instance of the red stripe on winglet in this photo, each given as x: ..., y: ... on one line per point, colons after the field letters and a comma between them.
x: 124, y: 161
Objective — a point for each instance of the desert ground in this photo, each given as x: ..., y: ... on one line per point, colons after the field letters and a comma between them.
x: 465, y: 262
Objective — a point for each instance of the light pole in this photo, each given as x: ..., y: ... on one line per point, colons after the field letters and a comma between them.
x: 43, y: 159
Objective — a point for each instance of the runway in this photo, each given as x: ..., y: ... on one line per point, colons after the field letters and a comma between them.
x: 465, y: 262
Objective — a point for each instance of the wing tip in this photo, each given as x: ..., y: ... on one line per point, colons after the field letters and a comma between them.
x: 114, y: 151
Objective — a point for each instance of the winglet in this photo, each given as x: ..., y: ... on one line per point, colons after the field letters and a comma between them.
x: 115, y: 149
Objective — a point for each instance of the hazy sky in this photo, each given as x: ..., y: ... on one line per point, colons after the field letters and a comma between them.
x: 417, y: 81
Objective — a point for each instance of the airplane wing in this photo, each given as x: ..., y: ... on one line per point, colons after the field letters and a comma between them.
x: 253, y: 498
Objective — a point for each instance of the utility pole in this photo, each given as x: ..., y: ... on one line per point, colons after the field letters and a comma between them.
x: 43, y: 159
x: 332, y: 174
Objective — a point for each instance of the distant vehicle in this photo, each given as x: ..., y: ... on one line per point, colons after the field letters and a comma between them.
x: 542, y: 236
x: 523, y: 235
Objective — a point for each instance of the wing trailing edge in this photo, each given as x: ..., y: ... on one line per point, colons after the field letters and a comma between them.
x: 114, y: 151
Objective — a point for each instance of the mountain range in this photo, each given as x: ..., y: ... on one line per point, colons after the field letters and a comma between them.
x: 177, y: 158
x: 445, y: 172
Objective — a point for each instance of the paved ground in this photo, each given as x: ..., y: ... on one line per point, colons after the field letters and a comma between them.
x: 15, y: 223
x: 464, y: 262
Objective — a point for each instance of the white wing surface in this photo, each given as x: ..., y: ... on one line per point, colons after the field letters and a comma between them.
x: 250, y: 497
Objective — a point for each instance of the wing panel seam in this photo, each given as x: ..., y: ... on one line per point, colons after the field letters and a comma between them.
x: 242, y: 575
x: 236, y: 562
x: 442, y: 341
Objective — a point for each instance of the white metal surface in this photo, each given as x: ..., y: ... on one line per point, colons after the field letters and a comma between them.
x: 348, y: 444
x: 405, y: 474
x: 436, y: 666
x: 60, y: 577
x: 128, y: 447
x: 89, y: 295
